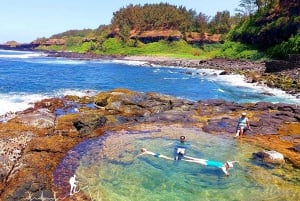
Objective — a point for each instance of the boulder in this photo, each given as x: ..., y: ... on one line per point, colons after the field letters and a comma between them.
x: 269, y: 157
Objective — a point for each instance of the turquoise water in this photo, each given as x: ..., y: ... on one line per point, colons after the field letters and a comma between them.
x: 112, y: 171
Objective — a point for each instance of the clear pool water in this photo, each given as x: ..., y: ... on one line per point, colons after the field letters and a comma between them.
x: 112, y: 171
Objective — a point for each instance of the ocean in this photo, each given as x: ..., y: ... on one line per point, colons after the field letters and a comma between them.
x: 27, y: 77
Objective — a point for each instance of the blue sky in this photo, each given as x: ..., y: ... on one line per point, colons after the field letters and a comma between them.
x: 27, y: 20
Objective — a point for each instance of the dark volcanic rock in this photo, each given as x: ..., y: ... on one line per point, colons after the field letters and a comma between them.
x: 34, y: 141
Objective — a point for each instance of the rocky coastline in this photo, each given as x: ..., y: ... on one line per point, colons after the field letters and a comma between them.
x: 34, y: 141
x: 287, y: 79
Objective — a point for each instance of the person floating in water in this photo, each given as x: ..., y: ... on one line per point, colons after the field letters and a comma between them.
x: 180, y: 148
x: 224, y: 166
x: 145, y: 151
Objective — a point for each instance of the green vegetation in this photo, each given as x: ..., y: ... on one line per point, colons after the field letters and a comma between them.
x: 262, y: 29
x: 237, y: 50
x: 292, y: 46
x: 165, y: 16
x: 274, y: 28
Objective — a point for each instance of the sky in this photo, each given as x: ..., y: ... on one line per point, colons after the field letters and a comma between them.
x: 26, y: 20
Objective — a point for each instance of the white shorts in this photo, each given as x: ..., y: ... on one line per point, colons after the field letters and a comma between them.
x: 180, y: 150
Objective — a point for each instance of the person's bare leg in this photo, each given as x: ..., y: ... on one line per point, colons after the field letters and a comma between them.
x: 237, y: 133
x: 242, y: 131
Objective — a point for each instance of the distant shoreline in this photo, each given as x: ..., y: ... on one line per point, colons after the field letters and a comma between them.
x: 220, y: 64
x: 254, y: 71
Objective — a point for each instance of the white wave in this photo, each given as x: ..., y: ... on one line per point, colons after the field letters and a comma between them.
x: 120, y: 61
x: 207, y: 72
x: 20, y: 54
x: 213, y: 75
x: 129, y: 62
x: 79, y: 93
x: 61, y: 61
x: 172, y: 72
x: 176, y: 78
x: 10, y: 51
x: 11, y: 103
x: 239, y: 81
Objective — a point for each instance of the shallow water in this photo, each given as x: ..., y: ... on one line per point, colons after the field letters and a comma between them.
x: 109, y: 169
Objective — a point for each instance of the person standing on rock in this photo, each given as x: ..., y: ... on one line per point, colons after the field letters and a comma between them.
x: 73, y: 183
x: 243, y: 125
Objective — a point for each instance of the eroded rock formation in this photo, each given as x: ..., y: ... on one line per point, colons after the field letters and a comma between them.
x: 34, y: 141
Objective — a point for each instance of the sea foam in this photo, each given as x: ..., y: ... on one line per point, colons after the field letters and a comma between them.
x: 11, y: 103
x: 19, y: 54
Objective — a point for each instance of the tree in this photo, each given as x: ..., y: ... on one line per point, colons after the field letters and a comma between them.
x: 202, y: 22
x: 220, y: 24
x: 125, y: 32
x: 154, y: 16
x: 266, y: 4
x: 248, y: 7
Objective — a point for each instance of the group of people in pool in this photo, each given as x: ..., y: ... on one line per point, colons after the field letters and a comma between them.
x: 179, y: 154
x: 182, y: 145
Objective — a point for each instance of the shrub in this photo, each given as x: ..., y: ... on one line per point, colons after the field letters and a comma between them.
x: 292, y: 46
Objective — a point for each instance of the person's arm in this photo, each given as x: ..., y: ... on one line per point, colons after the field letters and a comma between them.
x: 144, y: 151
x: 171, y: 143
x: 225, y: 170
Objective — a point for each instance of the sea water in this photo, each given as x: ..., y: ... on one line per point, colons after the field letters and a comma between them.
x: 110, y: 169
x: 26, y: 77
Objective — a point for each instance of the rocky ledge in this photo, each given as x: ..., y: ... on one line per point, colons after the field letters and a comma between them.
x: 34, y: 141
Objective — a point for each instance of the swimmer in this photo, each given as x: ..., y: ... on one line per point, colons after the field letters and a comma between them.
x: 145, y: 151
x: 224, y: 166
x: 180, y: 148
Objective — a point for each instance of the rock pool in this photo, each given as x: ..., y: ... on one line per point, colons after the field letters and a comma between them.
x: 108, y: 169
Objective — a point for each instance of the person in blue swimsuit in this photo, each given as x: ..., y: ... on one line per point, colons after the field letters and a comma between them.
x: 243, y: 125
x: 224, y: 166
x: 180, y: 148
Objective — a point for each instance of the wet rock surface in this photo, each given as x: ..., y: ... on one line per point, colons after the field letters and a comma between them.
x: 34, y: 141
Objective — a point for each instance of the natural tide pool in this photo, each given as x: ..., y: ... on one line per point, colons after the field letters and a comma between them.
x: 110, y: 170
